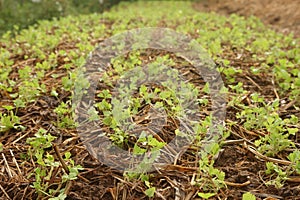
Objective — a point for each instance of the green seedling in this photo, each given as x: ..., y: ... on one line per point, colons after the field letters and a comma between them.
x: 46, y: 166
x: 53, y: 51
x: 9, y: 121
x: 65, y: 115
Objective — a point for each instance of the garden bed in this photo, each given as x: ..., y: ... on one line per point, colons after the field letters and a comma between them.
x: 45, y: 156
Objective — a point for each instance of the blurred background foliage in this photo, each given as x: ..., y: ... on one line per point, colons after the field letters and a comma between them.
x: 19, y: 14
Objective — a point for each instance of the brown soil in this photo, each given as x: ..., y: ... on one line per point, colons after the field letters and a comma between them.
x: 283, y: 15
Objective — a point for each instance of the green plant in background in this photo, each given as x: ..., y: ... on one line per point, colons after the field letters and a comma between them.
x: 18, y: 14
x: 5, y: 68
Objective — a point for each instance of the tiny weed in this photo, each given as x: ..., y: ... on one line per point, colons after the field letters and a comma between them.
x: 40, y: 145
x: 9, y: 121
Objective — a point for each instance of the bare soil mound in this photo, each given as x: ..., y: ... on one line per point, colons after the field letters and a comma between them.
x: 283, y: 15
